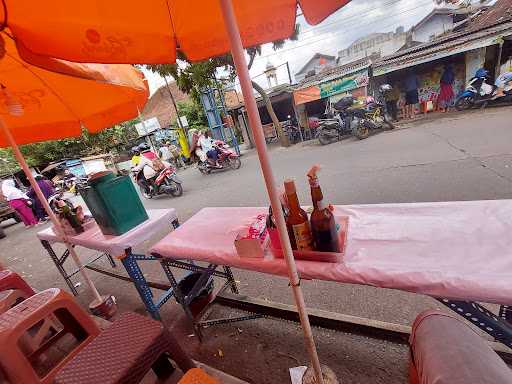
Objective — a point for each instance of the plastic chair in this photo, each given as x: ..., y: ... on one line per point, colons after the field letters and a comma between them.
x: 11, y: 280
x: 124, y: 353
x: 21, y: 366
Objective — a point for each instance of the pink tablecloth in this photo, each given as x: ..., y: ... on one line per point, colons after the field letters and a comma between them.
x: 458, y: 250
x: 92, y: 238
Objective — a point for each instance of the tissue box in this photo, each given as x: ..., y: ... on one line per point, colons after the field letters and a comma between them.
x: 252, y: 243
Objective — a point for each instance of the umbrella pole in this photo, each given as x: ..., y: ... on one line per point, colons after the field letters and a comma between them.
x: 51, y: 215
x: 250, y: 103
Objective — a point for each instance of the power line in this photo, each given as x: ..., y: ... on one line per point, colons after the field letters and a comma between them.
x: 335, y: 33
x: 322, y: 26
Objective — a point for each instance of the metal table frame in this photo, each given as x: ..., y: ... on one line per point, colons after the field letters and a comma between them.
x: 498, y: 326
x: 130, y: 262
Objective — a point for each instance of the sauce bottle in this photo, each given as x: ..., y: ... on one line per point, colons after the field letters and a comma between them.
x: 323, y: 225
x: 297, y: 221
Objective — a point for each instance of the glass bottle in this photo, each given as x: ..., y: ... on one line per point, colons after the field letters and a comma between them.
x: 297, y: 221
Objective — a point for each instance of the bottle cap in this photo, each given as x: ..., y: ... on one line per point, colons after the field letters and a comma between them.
x: 289, y: 186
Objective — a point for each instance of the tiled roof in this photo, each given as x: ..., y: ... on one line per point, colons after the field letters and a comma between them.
x: 160, y: 105
x: 500, y: 12
x: 495, y: 20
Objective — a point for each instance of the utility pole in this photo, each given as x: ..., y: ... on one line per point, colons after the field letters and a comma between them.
x: 175, y: 107
x: 289, y: 73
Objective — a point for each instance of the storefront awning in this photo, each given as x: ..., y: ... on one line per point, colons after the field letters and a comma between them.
x: 443, y: 48
x: 330, y: 88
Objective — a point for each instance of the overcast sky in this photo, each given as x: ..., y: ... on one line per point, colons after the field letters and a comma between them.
x: 355, y: 20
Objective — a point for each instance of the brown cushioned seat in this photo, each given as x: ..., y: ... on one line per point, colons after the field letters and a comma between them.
x: 447, y: 351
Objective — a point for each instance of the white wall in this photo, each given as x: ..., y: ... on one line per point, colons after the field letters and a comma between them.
x: 384, y: 48
x: 314, y: 65
x: 436, y: 26
x: 475, y: 60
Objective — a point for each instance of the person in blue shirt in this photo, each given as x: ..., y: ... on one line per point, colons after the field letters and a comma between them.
x: 412, y: 83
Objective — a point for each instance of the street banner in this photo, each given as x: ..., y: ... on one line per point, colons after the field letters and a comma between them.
x: 330, y: 88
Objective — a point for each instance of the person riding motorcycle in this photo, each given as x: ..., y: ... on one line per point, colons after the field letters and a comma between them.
x: 150, y: 165
x: 203, y: 146
x: 135, y: 156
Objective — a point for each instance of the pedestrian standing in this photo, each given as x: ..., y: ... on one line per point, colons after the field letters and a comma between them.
x: 446, y: 93
x: 176, y: 155
x: 19, y: 202
x: 165, y: 153
x: 412, y: 84
x: 392, y: 98
x: 46, y: 187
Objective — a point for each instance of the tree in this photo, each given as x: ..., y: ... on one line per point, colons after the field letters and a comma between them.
x: 194, y: 77
x: 38, y: 154
x: 194, y: 113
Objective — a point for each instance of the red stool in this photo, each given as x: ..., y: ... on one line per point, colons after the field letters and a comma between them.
x: 25, y: 367
x: 11, y: 297
x: 11, y: 280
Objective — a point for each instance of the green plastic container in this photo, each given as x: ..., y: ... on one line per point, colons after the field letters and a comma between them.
x: 114, y: 203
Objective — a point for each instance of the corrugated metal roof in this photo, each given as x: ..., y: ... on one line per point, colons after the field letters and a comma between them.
x: 335, y: 73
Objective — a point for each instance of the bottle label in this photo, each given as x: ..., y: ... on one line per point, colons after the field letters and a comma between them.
x: 303, y: 238
x: 313, y: 182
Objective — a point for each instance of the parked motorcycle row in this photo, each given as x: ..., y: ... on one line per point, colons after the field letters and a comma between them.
x: 290, y: 129
x: 479, y: 93
x: 345, y: 118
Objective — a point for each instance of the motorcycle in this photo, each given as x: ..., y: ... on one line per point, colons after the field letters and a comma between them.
x: 166, y: 182
x: 291, y: 129
x: 376, y: 115
x: 228, y: 159
x: 479, y: 92
x: 343, y: 121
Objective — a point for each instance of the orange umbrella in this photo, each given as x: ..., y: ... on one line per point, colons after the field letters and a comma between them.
x: 127, y: 31
x: 37, y: 105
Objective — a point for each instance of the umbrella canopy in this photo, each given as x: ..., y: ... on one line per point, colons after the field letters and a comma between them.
x: 38, y: 105
x: 57, y: 106
x: 128, y: 31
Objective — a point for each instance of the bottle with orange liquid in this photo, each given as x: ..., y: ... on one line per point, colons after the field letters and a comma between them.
x: 297, y: 221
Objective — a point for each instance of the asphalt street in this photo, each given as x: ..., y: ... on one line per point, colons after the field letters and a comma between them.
x: 448, y: 158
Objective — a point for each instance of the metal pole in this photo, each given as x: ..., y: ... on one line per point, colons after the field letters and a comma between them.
x: 175, y: 107
x: 498, y: 62
x: 51, y: 215
x: 289, y: 73
x: 250, y: 103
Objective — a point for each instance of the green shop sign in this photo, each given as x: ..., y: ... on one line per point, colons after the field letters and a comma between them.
x: 347, y: 83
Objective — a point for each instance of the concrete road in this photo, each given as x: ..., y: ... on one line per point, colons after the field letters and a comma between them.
x: 453, y: 157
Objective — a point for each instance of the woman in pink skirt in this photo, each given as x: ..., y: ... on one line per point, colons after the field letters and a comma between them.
x: 446, y: 93
x: 18, y: 201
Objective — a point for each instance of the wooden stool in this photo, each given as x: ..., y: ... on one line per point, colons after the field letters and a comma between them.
x: 124, y: 353
x: 20, y: 365
x: 197, y: 376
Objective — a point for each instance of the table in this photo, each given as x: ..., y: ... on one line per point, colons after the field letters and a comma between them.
x: 119, y: 247
x: 457, y: 252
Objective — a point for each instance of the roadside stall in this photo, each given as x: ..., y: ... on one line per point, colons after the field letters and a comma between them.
x: 453, y: 251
